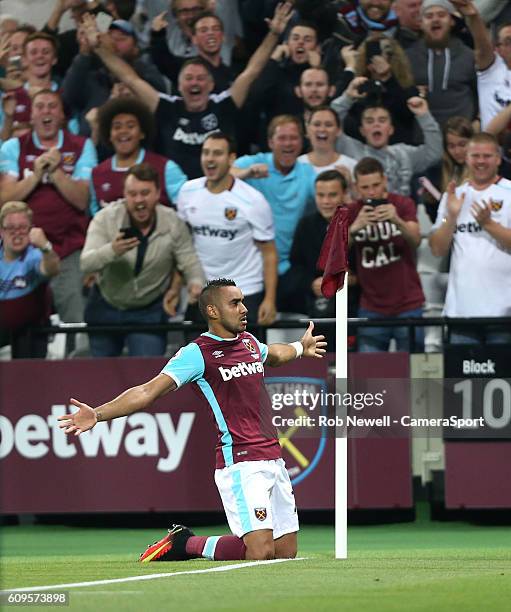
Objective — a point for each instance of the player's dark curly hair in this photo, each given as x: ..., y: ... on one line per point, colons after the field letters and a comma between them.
x: 207, y: 295
x: 124, y: 105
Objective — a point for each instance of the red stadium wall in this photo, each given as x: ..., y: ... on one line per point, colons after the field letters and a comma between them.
x: 162, y: 460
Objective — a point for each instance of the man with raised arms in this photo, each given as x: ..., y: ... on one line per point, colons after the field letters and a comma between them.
x: 225, y: 367
x: 184, y: 121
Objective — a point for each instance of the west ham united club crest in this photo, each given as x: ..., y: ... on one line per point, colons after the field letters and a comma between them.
x: 260, y: 514
x: 230, y: 213
x: 250, y: 345
x: 68, y: 158
x: 496, y: 205
x: 209, y: 122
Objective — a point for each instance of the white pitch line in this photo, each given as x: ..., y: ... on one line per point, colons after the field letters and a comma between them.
x: 220, y: 568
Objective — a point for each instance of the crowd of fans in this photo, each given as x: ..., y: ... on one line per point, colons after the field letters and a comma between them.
x: 161, y: 143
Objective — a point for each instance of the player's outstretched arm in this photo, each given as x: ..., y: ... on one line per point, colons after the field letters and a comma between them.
x: 131, y: 400
x: 308, y: 346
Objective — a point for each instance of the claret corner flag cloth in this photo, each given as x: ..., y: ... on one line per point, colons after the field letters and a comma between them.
x: 333, y: 258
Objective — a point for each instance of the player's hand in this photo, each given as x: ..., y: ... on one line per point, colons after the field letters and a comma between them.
x: 267, y: 312
x: 37, y: 237
x: 313, y: 346
x: 159, y: 23
x: 314, y: 58
x: 53, y: 157
x: 417, y: 105
x: 121, y: 245
x: 366, y: 216
x: 194, y: 290
x: 481, y: 212
x: 466, y: 7
x: 170, y: 301
x: 78, y: 422
x: 386, y: 212
x: 454, y: 203
x: 281, y: 16
x: 42, y: 165
x: 83, y: 41
x: 257, y: 171
x: 9, y: 104
x: 316, y: 286
x: 280, y: 53
x: 91, y: 31
x: 349, y: 56
x: 352, y: 89
x: 5, y: 47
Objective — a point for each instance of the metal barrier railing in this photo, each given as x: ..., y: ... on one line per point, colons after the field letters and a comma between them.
x: 445, y: 323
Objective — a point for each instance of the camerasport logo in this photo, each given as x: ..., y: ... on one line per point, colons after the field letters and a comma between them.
x: 139, y: 435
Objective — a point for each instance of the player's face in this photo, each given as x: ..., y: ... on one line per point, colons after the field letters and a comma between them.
x: 126, y: 134
x: 286, y: 144
x: 372, y: 186
x: 504, y: 45
x: 16, y: 41
x: 208, y: 36
x: 322, y: 130
x: 483, y: 161
x: 124, y: 44
x: 409, y: 13
x: 195, y: 85
x: 376, y: 9
x: 216, y: 161
x: 141, y: 200
x: 231, y: 310
x: 301, y: 40
x: 376, y: 127
x: 456, y: 147
x: 436, y: 24
x: 314, y: 88
x: 39, y: 57
x: 15, y: 232
x: 329, y: 195
x: 47, y: 115
x: 186, y: 11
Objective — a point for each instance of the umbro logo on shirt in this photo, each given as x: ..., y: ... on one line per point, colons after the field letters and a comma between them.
x: 217, y: 354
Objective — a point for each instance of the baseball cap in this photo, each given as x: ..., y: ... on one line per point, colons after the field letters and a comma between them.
x: 123, y: 26
x: 445, y: 4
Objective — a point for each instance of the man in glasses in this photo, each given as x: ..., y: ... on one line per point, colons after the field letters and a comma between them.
x: 27, y: 261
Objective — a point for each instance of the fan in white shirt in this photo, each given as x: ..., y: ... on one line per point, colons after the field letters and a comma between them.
x: 323, y: 130
x: 232, y: 228
x: 474, y: 221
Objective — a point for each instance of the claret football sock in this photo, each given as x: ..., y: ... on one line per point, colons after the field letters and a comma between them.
x: 218, y: 548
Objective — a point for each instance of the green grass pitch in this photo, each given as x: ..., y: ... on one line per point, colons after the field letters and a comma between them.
x: 406, y: 567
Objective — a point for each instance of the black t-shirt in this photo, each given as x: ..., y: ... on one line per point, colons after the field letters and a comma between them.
x: 181, y: 132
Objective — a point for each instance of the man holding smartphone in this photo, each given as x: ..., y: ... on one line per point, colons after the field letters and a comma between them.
x: 384, y: 233
x: 135, y: 246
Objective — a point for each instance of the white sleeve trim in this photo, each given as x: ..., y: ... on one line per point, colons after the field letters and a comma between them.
x: 174, y: 378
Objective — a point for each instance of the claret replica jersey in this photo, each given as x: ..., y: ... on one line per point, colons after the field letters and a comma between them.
x: 228, y: 376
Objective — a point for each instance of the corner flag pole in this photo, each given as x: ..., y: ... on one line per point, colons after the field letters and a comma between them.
x: 341, y: 442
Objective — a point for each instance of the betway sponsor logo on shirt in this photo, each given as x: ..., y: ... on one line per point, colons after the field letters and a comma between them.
x: 241, y: 369
x: 215, y: 232
x: 471, y: 227
x: 189, y: 138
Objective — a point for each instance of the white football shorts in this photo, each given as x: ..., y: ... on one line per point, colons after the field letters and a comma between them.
x: 258, y: 495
